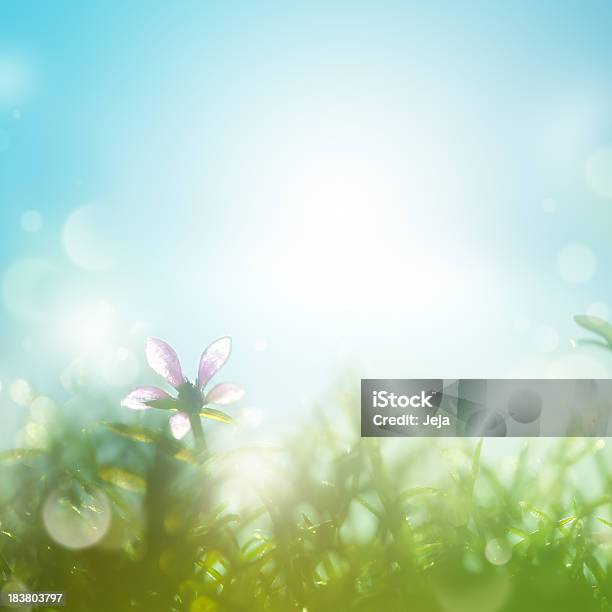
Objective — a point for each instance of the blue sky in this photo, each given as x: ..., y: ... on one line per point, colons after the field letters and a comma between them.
x: 390, y: 187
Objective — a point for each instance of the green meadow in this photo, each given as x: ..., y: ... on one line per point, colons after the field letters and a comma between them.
x: 122, y: 516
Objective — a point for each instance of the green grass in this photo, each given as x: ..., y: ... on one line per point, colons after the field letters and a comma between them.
x: 328, y: 521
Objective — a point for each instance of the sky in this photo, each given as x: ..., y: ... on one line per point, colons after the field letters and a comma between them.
x: 385, y: 189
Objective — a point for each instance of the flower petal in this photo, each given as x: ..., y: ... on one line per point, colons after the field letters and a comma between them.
x: 224, y: 393
x: 180, y: 425
x: 213, y: 357
x: 163, y: 359
x: 136, y: 400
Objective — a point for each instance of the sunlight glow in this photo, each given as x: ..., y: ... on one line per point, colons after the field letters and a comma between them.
x: 90, y: 327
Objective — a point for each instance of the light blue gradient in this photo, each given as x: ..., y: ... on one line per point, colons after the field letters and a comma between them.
x: 362, y: 185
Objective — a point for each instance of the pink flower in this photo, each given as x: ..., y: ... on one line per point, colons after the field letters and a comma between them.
x: 189, y: 398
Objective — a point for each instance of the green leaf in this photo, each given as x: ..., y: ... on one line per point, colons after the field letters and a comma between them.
x: 123, y: 478
x: 414, y: 491
x: 368, y: 506
x: 17, y: 454
x: 519, y: 533
x: 215, y: 415
x: 8, y: 534
x: 184, y: 454
x: 133, y: 432
x: 306, y: 520
x: 596, y: 568
x: 431, y: 547
x: 150, y: 436
x: 603, y: 521
x: 539, y: 514
x: 596, y: 325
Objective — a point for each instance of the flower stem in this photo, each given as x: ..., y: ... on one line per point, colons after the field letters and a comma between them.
x: 198, y: 433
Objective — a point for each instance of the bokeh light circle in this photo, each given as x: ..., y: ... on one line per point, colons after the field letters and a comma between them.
x: 21, y: 392
x: 87, y: 238
x: 598, y: 172
x: 34, y: 435
x: 576, y: 263
x: 498, y: 552
x: 43, y: 410
x: 78, y: 519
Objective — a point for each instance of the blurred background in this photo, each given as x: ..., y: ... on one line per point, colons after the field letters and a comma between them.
x: 349, y: 189
x: 388, y: 189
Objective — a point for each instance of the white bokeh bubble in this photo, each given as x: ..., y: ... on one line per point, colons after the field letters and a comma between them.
x: 29, y: 288
x: 498, y: 552
x: 88, y: 238
x: 31, y: 221
x: 21, y: 392
x: 43, y: 410
x: 76, y: 523
x: 34, y: 435
x: 598, y: 172
x: 576, y: 263
x: 599, y: 309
